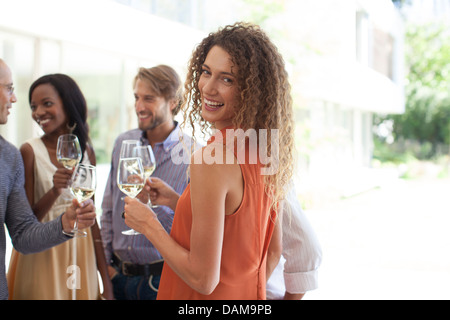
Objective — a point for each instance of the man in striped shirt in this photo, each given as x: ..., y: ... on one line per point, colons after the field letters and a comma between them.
x: 135, y: 263
x: 28, y: 235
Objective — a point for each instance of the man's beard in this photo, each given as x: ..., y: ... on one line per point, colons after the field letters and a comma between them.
x: 155, y: 122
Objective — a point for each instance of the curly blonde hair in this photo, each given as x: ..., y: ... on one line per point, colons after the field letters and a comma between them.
x: 265, y: 98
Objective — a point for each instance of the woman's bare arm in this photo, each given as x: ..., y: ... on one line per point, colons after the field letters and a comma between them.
x: 199, y: 266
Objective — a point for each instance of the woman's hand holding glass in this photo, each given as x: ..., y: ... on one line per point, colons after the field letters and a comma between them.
x: 161, y: 193
x: 62, y: 180
x: 139, y: 216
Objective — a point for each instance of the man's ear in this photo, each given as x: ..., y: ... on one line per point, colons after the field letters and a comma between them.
x: 173, y: 103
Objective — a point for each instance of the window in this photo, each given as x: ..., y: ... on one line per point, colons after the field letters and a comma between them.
x: 99, y: 76
x: 362, y: 38
x: 18, y: 53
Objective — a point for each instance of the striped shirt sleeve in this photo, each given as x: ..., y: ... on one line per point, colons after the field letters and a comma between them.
x: 301, y: 248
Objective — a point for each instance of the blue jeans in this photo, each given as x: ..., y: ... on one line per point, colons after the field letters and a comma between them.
x: 135, y: 288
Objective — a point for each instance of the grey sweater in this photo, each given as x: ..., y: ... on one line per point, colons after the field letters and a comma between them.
x: 28, y: 235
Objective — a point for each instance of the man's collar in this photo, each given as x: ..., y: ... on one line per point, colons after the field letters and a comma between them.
x: 171, y: 140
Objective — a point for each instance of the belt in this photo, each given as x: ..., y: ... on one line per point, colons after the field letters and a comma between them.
x: 132, y: 269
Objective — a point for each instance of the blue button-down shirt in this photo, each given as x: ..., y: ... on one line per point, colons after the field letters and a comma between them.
x: 171, y: 169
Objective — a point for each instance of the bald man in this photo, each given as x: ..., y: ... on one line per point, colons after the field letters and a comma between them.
x: 28, y: 235
x: 7, y: 96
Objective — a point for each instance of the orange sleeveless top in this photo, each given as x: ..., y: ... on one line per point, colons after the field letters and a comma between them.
x: 246, y: 238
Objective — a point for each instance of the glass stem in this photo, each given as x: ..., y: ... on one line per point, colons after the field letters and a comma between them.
x: 75, y: 225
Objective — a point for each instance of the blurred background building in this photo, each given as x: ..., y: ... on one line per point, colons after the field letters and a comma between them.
x: 351, y: 68
x: 101, y: 44
x: 345, y: 59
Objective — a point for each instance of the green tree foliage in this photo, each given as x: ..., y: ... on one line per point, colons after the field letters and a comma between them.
x: 427, y: 115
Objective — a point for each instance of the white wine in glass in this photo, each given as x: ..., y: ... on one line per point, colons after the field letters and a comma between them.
x: 148, y: 162
x: 130, y: 180
x: 84, y: 183
x: 68, y: 151
x: 130, y: 189
x: 148, y: 171
x: 82, y: 194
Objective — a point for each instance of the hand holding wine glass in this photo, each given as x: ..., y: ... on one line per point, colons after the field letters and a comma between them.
x: 82, y: 213
x: 62, y: 179
x: 130, y: 180
x: 84, y: 182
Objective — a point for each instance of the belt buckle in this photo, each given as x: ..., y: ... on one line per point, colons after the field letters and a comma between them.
x: 125, y: 269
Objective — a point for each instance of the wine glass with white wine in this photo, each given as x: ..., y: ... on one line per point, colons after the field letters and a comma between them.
x: 130, y: 180
x: 68, y: 151
x: 148, y: 162
x: 84, y: 183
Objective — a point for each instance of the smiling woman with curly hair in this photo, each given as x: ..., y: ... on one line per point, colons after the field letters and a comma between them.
x: 265, y: 99
x: 225, y: 237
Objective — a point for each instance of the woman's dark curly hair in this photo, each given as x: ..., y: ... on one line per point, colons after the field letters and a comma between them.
x: 265, y: 98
